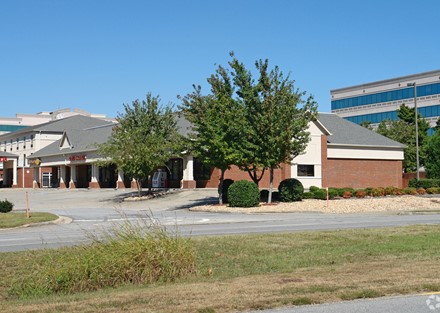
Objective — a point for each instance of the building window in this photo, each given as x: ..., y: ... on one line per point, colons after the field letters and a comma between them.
x: 24, y: 142
x: 176, y: 169
x: 24, y: 160
x: 32, y: 141
x: 201, y: 171
x: 306, y: 170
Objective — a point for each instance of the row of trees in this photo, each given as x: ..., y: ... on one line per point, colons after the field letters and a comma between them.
x: 403, y: 130
x: 255, y: 124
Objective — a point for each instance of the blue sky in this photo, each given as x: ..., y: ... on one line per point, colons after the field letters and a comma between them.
x: 98, y: 54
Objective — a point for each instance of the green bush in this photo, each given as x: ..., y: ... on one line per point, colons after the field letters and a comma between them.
x: 313, y: 188
x: 346, y: 192
x: 369, y: 191
x: 390, y: 191
x: 290, y: 190
x: 433, y: 190
x: 244, y: 194
x: 320, y: 194
x: 308, y: 195
x: 6, y: 206
x: 410, y: 191
x: 378, y: 192
x: 333, y: 193
x: 226, y: 184
x: 424, y: 183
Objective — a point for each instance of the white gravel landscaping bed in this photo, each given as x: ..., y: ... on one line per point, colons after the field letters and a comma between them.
x: 352, y: 205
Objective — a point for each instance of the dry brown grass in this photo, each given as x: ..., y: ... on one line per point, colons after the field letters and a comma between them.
x: 263, y: 271
x: 385, y: 277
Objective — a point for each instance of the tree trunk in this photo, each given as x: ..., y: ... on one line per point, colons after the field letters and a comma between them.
x: 220, y: 186
x: 139, y: 187
x: 253, y: 174
x: 150, y: 184
x: 269, y: 199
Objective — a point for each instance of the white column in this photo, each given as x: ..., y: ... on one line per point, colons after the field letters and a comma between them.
x: 120, y: 182
x: 72, y: 176
x: 15, y: 173
x: 95, y: 173
x: 188, y: 165
x: 63, y: 176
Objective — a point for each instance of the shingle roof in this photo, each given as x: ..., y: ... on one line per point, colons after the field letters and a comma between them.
x: 8, y: 155
x: 344, y: 132
x: 81, y: 141
x: 61, y: 125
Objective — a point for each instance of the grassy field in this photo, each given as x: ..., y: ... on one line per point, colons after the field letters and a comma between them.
x: 15, y: 219
x: 237, y: 273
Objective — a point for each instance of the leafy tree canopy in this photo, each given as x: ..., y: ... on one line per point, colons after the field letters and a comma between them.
x: 145, y: 138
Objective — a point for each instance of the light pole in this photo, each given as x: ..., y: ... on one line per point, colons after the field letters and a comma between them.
x: 417, y: 128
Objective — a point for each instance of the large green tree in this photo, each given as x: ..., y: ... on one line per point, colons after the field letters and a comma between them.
x: 432, y: 162
x: 254, y: 124
x: 277, y: 119
x: 217, y: 122
x: 403, y: 130
x: 145, y: 137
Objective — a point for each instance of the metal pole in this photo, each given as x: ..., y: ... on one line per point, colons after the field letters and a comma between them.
x: 417, y: 132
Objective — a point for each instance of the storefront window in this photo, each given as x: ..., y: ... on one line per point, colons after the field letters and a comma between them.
x: 176, y: 169
x: 201, y: 171
x: 306, y: 170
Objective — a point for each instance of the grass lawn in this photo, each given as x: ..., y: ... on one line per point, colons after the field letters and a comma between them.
x: 15, y: 219
x: 244, y: 272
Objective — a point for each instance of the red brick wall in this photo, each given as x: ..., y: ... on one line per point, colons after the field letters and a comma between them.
x: 362, y: 173
x: 236, y: 174
x: 408, y: 176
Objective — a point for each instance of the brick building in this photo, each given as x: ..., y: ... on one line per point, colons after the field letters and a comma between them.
x: 340, y: 154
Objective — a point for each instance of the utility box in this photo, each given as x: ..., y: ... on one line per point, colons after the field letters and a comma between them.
x: 159, y: 179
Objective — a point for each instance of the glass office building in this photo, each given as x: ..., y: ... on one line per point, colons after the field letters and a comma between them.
x: 377, y: 101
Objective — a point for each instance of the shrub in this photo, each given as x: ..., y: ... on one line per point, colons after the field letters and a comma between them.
x: 345, y: 191
x: 410, y: 191
x: 264, y: 195
x: 320, y: 194
x: 290, y: 190
x: 369, y: 191
x: 6, y: 206
x: 412, y: 183
x: 244, y: 194
x: 378, y: 192
x: 424, y: 183
x: 347, y: 194
x: 275, y: 196
x: 128, y: 254
x: 313, y: 188
x: 390, y: 191
x: 360, y: 193
x: 333, y: 193
x: 433, y: 190
x: 226, y: 184
x: 308, y: 195
x: 421, y: 191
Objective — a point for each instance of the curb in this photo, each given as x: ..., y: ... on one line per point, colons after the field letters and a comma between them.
x: 60, y: 220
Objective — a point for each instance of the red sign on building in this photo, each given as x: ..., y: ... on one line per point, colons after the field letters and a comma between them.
x: 3, y: 159
x: 80, y: 157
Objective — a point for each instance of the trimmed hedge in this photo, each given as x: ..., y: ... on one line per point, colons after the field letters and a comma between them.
x: 226, y: 184
x: 6, y: 206
x: 290, y: 190
x: 243, y: 194
x: 424, y: 183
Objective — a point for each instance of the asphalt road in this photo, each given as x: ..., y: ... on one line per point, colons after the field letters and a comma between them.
x: 93, y: 211
x: 402, y: 304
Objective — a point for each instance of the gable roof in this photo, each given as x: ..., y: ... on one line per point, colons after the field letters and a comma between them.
x: 344, y: 132
x: 81, y: 140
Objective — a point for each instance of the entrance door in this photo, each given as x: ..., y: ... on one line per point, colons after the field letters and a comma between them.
x: 47, y: 178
